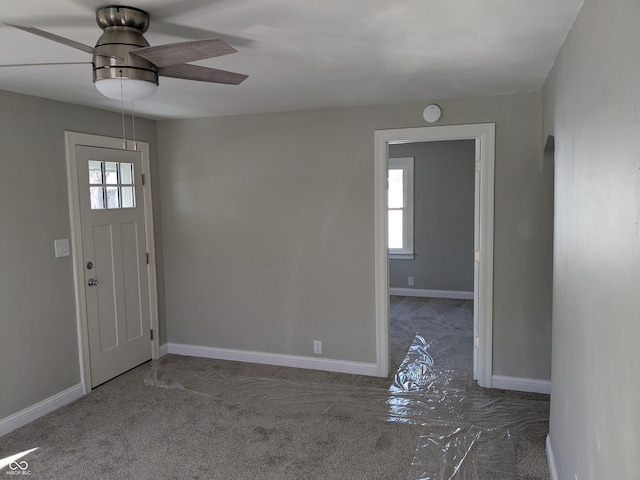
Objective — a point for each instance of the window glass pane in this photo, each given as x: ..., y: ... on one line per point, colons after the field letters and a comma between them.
x: 126, y: 173
x: 395, y: 229
x: 113, y: 197
x: 111, y: 173
x: 95, y: 172
x: 97, y: 197
x: 396, y: 195
x: 128, y: 197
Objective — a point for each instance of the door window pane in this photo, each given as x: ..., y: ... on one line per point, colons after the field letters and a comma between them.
x: 97, y: 198
x: 126, y: 173
x: 95, y: 172
x: 113, y: 197
x: 111, y: 173
x: 128, y: 197
x: 112, y: 185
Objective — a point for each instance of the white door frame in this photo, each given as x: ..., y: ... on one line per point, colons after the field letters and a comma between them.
x: 72, y: 139
x: 484, y: 136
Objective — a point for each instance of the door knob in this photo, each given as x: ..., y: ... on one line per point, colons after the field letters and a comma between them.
x: 92, y: 282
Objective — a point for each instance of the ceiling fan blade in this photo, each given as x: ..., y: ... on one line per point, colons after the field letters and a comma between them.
x: 55, y: 38
x: 48, y: 21
x: 44, y: 64
x: 183, y: 52
x: 202, y: 74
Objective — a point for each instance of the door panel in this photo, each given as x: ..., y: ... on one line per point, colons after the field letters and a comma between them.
x: 114, y: 247
x: 100, y: 244
x: 131, y: 279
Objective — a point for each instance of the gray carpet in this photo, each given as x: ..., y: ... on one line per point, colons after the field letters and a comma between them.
x: 470, y: 432
x: 184, y: 417
x: 448, y: 324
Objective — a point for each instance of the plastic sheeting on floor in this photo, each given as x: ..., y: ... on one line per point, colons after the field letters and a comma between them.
x: 466, y: 434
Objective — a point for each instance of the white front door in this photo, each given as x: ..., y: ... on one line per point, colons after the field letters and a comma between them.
x: 114, y: 260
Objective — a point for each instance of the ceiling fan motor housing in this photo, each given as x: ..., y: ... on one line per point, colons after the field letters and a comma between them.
x: 123, y: 28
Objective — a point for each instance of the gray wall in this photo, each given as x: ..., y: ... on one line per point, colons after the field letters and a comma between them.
x: 592, y: 106
x: 444, y: 183
x: 269, y: 229
x: 38, y: 339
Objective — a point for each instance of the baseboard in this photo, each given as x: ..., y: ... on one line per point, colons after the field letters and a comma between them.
x: 521, y: 384
x: 36, y: 411
x: 417, y: 292
x: 553, y: 473
x: 326, y: 364
x: 164, y: 349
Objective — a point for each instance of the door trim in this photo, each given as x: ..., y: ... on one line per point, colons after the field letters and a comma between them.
x: 73, y: 139
x: 484, y: 135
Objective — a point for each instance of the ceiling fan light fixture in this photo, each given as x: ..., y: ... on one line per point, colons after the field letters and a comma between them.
x: 126, y: 67
x: 126, y: 88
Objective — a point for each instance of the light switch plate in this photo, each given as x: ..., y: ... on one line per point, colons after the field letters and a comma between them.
x: 62, y: 247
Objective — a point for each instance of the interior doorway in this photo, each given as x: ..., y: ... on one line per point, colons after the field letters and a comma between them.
x: 431, y: 282
x: 484, y: 138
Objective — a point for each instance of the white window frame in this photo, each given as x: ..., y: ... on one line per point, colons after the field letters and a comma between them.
x: 406, y: 164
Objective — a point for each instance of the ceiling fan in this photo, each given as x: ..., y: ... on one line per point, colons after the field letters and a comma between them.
x: 126, y: 67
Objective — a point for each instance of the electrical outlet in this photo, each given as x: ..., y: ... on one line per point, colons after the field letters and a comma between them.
x: 317, y: 347
x: 410, y: 281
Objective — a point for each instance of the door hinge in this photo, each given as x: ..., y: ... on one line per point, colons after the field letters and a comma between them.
x: 151, y: 331
x: 143, y: 179
x: 147, y: 258
x: 478, y: 166
x: 476, y: 255
x: 476, y: 342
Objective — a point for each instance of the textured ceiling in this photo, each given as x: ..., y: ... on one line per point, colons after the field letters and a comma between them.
x: 301, y: 54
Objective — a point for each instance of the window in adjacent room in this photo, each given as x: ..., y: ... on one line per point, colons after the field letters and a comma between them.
x: 400, y: 205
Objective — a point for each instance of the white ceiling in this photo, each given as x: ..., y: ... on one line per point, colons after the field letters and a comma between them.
x: 301, y: 54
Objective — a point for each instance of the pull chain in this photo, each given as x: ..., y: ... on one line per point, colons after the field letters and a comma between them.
x: 133, y: 124
x: 124, y: 138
